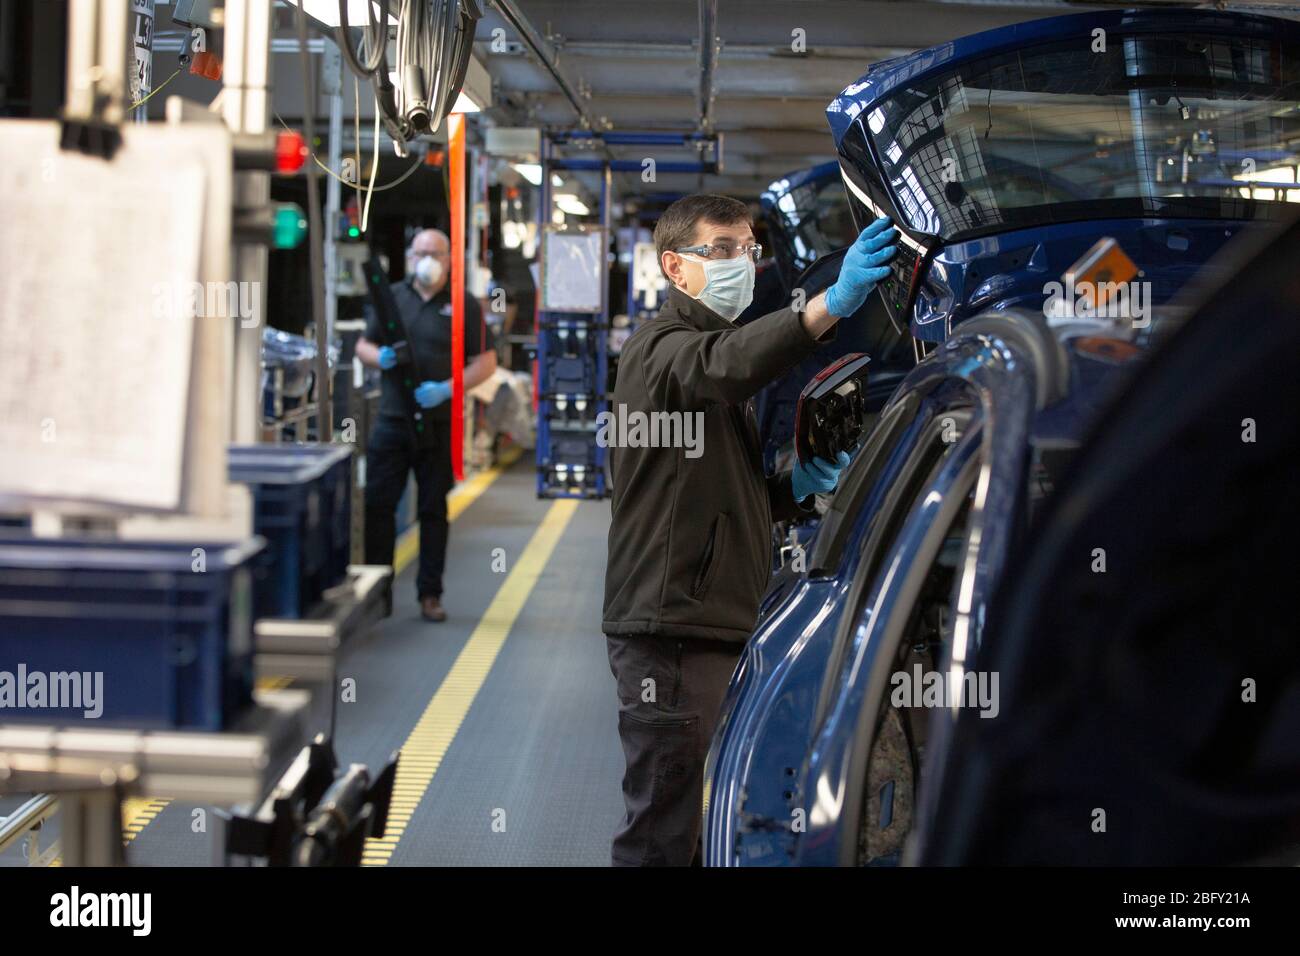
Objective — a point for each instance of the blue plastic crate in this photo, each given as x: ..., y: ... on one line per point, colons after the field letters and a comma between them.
x: 166, y: 637
x: 568, y: 360
x: 302, y: 505
x: 570, y: 461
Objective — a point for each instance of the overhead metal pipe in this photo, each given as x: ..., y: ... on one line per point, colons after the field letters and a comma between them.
x: 708, y: 60
x: 543, y: 50
x: 631, y: 138
x: 634, y: 165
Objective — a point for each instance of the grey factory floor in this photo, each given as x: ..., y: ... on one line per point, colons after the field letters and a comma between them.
x: 532, y: 774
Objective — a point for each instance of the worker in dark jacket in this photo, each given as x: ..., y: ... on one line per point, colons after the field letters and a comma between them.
x: 690, y: 539
x: 424, y: 301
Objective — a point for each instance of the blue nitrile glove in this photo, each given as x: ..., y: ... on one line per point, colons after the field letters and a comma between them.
x: 433, y: 394
x: 818, y: 477
x: 387, y: 357
x: 863, y: 266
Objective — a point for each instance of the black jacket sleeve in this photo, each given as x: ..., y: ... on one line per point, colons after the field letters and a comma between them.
x: 688, y: 369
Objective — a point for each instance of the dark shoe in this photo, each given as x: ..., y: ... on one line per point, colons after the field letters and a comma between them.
x: 431, y: 609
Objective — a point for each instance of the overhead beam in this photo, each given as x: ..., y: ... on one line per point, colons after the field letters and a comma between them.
x: 708, y: 61
x: 546, y: 54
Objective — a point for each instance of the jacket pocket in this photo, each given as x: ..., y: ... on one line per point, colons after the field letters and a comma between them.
x: 714, y: 548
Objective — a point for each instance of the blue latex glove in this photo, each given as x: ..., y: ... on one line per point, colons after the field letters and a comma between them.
x: 387, y: 357
x: 863, y: 266
x: 432, y: 394
x: 818, y: 477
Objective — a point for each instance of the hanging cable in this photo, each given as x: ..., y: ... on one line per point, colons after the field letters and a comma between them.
x: 145, y: 99
x: 355, y: 183
x: 356, y: 134
x: 466, y: 24
x: 374, y: 171
x: 375, y: 38
x: 433, y: 46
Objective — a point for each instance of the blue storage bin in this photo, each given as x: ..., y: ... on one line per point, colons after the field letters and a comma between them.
x: 568, y: 360
x: 302, y: 505
x: 168, y: 640
x: 570, y: 462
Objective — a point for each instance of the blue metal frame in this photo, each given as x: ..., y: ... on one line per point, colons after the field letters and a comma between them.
x: 685, y: 138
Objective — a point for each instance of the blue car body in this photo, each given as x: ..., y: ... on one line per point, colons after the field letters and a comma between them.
x: 1012, y: 392
x: 795, y: 214
x: 808, y: 229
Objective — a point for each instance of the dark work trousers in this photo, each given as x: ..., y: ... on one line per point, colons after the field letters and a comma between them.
x: 670, y: 691
x: 391, y: 456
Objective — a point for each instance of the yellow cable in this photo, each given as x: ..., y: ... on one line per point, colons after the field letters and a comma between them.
x: 391, y: 184
x: 141, y: 102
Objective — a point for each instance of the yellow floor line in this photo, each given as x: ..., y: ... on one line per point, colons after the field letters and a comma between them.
x: 139, y: 812
x: 461, y: 497
x: 424, y: 749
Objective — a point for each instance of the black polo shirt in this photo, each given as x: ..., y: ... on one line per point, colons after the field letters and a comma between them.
x: 429, y: 326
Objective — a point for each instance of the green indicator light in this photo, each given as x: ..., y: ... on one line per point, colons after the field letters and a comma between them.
x: 290, y: 226
x: 353, y: 231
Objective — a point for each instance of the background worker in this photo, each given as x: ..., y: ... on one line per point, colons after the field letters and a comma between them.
x: 690, y: 540
x: 424, y: 301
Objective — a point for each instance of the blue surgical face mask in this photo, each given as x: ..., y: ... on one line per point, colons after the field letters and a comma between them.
x: 728, y: 285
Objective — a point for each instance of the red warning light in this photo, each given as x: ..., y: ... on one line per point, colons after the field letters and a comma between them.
x: 290, y: 152
x: 206, y: 65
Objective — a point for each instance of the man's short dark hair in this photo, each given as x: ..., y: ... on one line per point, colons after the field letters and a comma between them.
x: 676, y: 227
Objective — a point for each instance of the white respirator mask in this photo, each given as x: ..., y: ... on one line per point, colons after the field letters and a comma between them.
x: 428, y: 271
x: 728, y: 285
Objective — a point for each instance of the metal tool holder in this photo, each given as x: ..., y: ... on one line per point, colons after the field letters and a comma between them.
x: 90, y: 771
x: 315, y: 816
x: 306, y: 649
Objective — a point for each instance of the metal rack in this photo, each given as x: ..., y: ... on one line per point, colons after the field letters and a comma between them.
x: 83, y: 773
x: 570, y: 462
x: 88, y: 772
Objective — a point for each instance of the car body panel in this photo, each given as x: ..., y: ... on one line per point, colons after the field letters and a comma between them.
x: 886, y: 76
x: 1125, y: 690
x: 797, y: 721
x: 770, y: 729
x: 952, y: 277
x: 797, y: 204
x: 1012, y: 269
x: 801, y: 264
